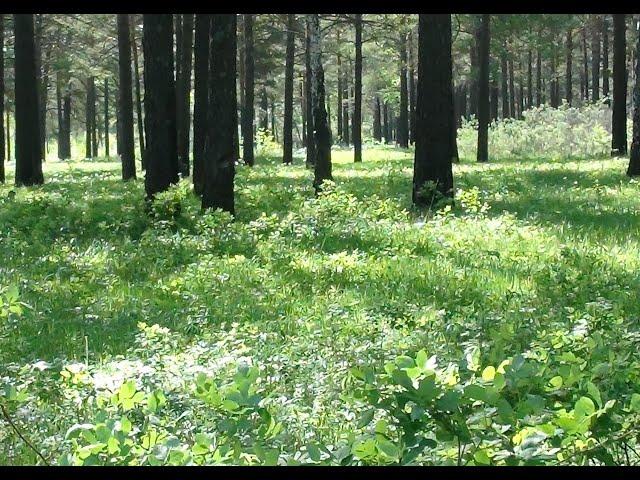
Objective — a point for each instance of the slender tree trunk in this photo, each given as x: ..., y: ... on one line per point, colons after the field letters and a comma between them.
x: 483, y: 89
x: 529, y: 79
x: 311, y: 146
x: 554, y: 80
x: 183, y: 92
x: 495, y: 93
x: 303, y: 103
x: 43, y: 81
x: 506, y: 112
x: 322, y: 141
x: 136, y: 71
x: 125, y: 84
x: 568, y: 78
x: 2, y: 142
x: 473, y: 73
x: 634, y: 158
x: 387, y: 130
x: 8, y: 120
x: 220, y: 151
x: 339, y: 93
x: 538, y: 78
x: 264, y: 109
x: 274, y: 133
x: 434, y: 112
x: 619, y: 115
x: 595, y: 58
x: 60, y: 115
x: 106, y: 117
x: 287, y: 127
x: 464, y: 105
x: 357, y: 105
x: 585, y: 66
x: 88, y: 125
x: 66, y: 116
x: 605, y: 58
x: 28, y: 153
x: 201, y: 98
x: 377, y: 127
x: 345, y: 115
x: 159, y: 104
x: 412, y: 91
x: 403, y: 118
x: 248, y: 111
x: 512, y: 92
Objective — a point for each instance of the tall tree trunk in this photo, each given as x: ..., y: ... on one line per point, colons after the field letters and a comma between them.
x: 43, y: 81
x: 287, y: 126
x: 264, y: 110
x: 94, y: 115
x: 183, y: 93
x: 473, y: 73
x: 634, y: 158
x: 159, y: 104
x: 60, y: 115
x: 483, y: 88
x: 377, y: 127
x: 434, y: 112
x: 495, y: 93
x: 538, y: 78
x: 387, y: 130
x: 554, y: 81
x: 303, y: 102
x: 311, y: 146
x: 66, y: 117
x: 605, y: 58
x: 106, y: 117
x: 2, y: 143
x: 619, y: 114
x: 88, y: 151
x: 357, y: 105
x: 201, y: 98
x: 248, y: 111
x: 412, y: 91
x: 125, y: 88
x: 346, y: 135
x: 220, y: 151
x: 8, y: 137
x: 28, y: 153
x: 506, y: 111
x: 339, y: 93
x: 585, y: 64
x: 595, y: 58
x: 136, y: 71
x: 403, y: 117
x: 529, y: 79
x: 512, y: 92
x: 274, y: 133
x: 322, y: 141
x: 568, y: 77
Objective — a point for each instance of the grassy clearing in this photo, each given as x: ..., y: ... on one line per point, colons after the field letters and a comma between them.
x: 308, y: 289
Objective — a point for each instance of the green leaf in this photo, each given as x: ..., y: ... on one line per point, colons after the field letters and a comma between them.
x: 475, y: 392
x: 481, y: 457
x: 584, y: 407
x: 127, y: 390
x: 595, y: 393
x: 388, y: 448
x: 366, y: 417
x: 314, y: 452
x: 556, y: 382
x: 635, y: 403
x: 488, y: 374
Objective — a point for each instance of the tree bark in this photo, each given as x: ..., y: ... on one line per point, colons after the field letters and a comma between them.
x: 568, y: 77
x: 339, y: 93
x: 605, y: 59
x: 529, y: 79
x: 495, y: 93
x: 27, y: 151
x: 248, y: 111
x: 619, y: 114
x: 220, y: 151
x: 2, y: 142
x: 345, y: 114
x: 585, y: 64
x: 538, y: 78
x: 473, y: 72
x: 287, y: 126
x: 357, y: 105
x: 264, y: 110
x: 201, y: 98
x: 377, y: 127
x: 136, y: 71
x: 125, y: 89
x: 321, y: 140
x: 434, y: 113
x: 506, y: 111
x: 89, y: 117
x: 159, y: 104
x: 403, y: 117
x: 595, y: 58
x: 483, y: 89
x: 183, y: 93
x: 634, y: 158
x: 106, y: 117
x: 512, y: 92
x: 412, y: 91
x: 387, y: 129
x: 66, y: 116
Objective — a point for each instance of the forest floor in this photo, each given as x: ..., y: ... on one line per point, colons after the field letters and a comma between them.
x: 308, y: 289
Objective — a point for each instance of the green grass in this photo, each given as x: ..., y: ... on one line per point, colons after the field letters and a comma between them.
x: 307, y: 289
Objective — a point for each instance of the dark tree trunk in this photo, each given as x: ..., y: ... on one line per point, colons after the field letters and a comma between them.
x: 585, y: 64
x: 303, y: 103
x: 287, y: 126
x: 43, y: 83
x: 634, y: 158
x: 28, y: 153
x: 568, y: 78
x: 183, y: 93
x: 483, y: 89
x: 434, y: 113
x: 345, y: 115
x: 60, y: 115
x: 264, y: 110
x: 249, y: 87
x: 512, y: 91
x: 412, y: 91
x: 554, y: 82
x: 357, y: 105
x: 473, y: 74
x: 8, y: 137
x: 220, y: 151
x: 464, y: 110
x: 595, y: 59
x: 311, y: 147
x: 403, y: 117
x: 340, y: 91
x: 322, y: 141
x: 506, y: 112
x: 538, y: 78
x: 66, y: 116
x: 619, y: 115
x: 495, y: 93
x: 2, y: 143
x: 377, y: 124
x: 201, y: 98
x: 106, y: 117
x: 274, y: 133
x: 136, y: 71
x: 605, y: 58
x: 387, y: 130
x: 89, y: 117
x: 159, y: 104
x: 125, y: 88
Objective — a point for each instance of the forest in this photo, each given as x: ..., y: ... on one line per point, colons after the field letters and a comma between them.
x: 319, y: 239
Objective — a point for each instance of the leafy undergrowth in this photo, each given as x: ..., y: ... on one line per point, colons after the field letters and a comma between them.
x: 348, y: 329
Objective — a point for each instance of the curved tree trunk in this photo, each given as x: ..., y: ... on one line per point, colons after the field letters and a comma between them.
x: 220, y: 150
x: 432, y: 171
x: 159, y: 104
x: 125, y: 84
x: 27, y: 151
